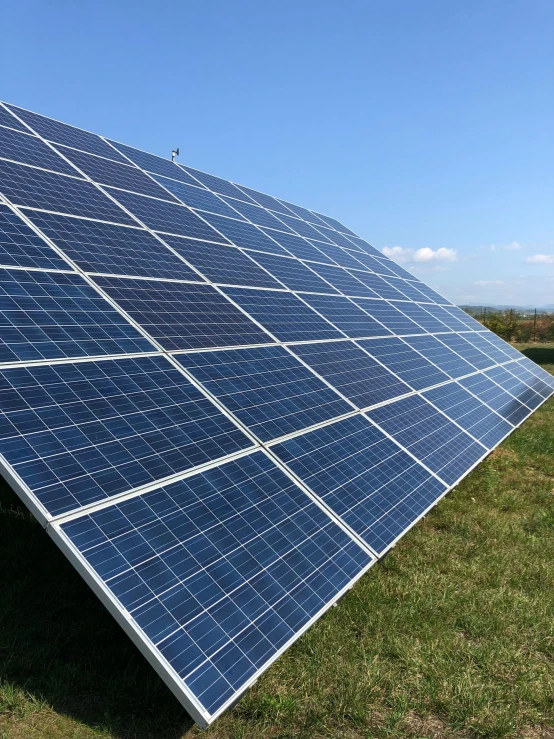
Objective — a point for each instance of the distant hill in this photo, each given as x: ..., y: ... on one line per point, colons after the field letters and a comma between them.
x: 475, y: 308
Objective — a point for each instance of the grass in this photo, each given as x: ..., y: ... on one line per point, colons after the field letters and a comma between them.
x: 451, y: 635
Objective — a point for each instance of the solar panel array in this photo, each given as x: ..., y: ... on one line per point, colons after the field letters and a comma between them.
x: 223, y: 407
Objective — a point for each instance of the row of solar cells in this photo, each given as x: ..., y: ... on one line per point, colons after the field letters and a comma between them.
x: 97, y: 158
x: 78, y: 433
x: 178, y: 315
x: 50, y: 192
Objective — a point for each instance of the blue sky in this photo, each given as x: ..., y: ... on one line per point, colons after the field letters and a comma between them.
x: 424, y: 126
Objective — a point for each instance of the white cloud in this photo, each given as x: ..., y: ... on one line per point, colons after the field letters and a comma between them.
x: 423, y: 255
x: 540, y: 259
x: 398, y: 253
x: 512, y: 246
x: 487, y: 283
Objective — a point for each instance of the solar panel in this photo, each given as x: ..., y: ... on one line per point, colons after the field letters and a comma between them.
x: 224, y: 265
x: 299, y: 247
x: 182, y: 316
x: 197, y: 197
x: 430, y: 436
x: 395, y: 320
x: 344, y: 281
x: 21, y: 247
x: 270, y: 391
x: 28, y: 149
x: 352, y: 371
x: 224, y: 407
x: 471, y: 414
x: 435, y: 351
x: 283, y: 314
x: 107, y: 248
x: 219, y: 572
x: 346, y: 316
x: 244, y: 234
x: 114, y: 174
x: 364, y: 477
x: 49, y: 315
x: 36, y: 188
x: 293, y: 274
x: 408, y: 364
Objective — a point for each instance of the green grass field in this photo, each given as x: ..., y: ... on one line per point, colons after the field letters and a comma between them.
x: 451, y: 635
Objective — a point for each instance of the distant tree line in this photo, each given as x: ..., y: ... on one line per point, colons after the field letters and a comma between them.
x: 516, y: 325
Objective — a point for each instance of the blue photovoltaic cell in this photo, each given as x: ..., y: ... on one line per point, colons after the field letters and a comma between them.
x: 221, y: 570
x: 21, y: 247
x: 243, y: 234
x: 389, y: 316
x: 225, y: 265
x: 462, y: 316
x: 197, y: 197
x: 270, y: 391
x: 107, y: 172
x: 28, y: 149
x: 479, y: 341
x: 299, y: 246
x: 537, y: 371
x: 283, y: 314
x: 300, y: 227
x: 62, y: 133
x: 349, y: 369
x: 515, y: 386
x: 257, y: 215
x: 446, y: 317
x: 346, y: 316
x: 370, y: 263
x: 530, y: 379
x: 342, y: 280
x: 154, y: 164
x: 7, y: 119
x: 429, y: 436
x: 510, y: 351
x: 48, y: 315
x: 379, y: 286
x: 407, y: 289
x: 301, y: 212
x: 440, y: 355
x: 293, y: 274
x: 266, y: 201
x: 160, y: 215
x: 470, y: 413
x: 337, y: 238
x: 382, y: 264
x: 342, y: 257
x: 223, y: 187
x: 422, y: 317
x: 495, y: 397
x: 105, y: 247
x: 36, y: 188
x: 405, y: 362
x: 364, y: 477
x: 183, y: 316
x: 431, y: 294
x: 334, y: 224
x: 364, y: 246
x: 79, y: 433
x: 460, y: 344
